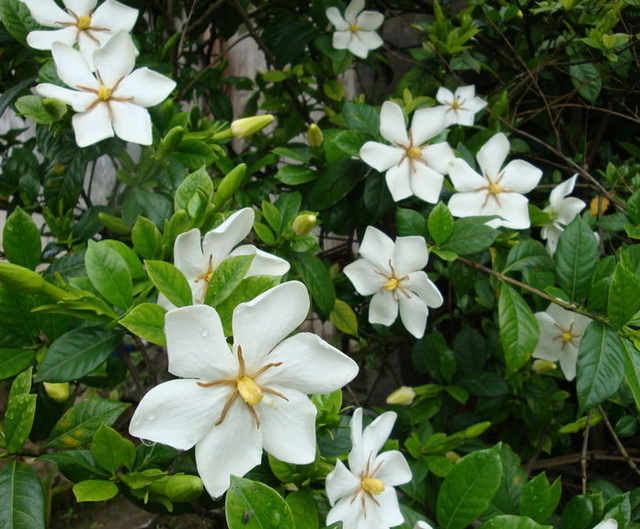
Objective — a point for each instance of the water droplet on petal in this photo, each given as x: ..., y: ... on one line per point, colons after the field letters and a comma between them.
x: 205, y: 333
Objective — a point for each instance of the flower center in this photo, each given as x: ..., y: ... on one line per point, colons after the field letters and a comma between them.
x: 354, y: 27
x: 104, y: 93
x: 494, y: 188
x: 249, y: 391
x: 567, y: 336
x: 84, y: 22
x: 391, y: 284
x: 456, y: 105
x: 372, y: 485
x: 415, y: 153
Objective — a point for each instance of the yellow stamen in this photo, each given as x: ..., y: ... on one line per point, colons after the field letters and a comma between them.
x: 567, y: 336
x: 456, y: 104
x: 391, y: 284
x: 494, y: 188
x: 104, y: 93
x: 414, y: 153
x: 354, y: 28
x: 84, y: 22
x: 372, y: 485
x: 249, y: 391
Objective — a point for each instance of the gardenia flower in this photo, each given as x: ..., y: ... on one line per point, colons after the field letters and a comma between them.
x: 233, y: 402
x: 560, y: 334
x: 356, y: 31
x: 496, y: 191
x: 80, y: 23
x: 562, y: 211
x: 363, y: 497
x: 393, y: 273
x: 112, y: 100
x: 462, y: 105
x: 413, y: 166
x: 609, y: 523
x: 198, y: 260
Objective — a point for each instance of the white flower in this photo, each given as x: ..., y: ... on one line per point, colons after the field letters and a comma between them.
x: 562, y: 211
x: 609, y: 523
x: 363, y: 497
x: 422, y: 525
x: 393, y: 273
x: 115, y: 98
x: 233, y: 402
x: 413, y: 166
x: 80, y: 23
x: 461, y: 106
x: 198, y: 260
x: 560, y: 334
x: 496, y: 191
x: 356, y: 31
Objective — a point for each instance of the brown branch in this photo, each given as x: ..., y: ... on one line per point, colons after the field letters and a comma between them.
x: 583, y: 454
x: 619, y: 444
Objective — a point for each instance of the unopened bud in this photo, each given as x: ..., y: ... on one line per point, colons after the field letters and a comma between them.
x: 171, y: 140
x: 303, y: 224
x: 452, y: 456
x: 183, y: 488
x: 403, y: 396
x: 314, y: 136
x: 58, y: 392
x: 241, y: 128
x: 598, y: 205
x: 543, y: 366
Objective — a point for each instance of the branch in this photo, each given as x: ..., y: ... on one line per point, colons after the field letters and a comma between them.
x: 619, y: 444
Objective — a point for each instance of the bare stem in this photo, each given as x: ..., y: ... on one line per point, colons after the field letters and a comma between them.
x: 619, y: 444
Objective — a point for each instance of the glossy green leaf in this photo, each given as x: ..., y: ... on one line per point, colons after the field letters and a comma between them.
x: 469, y: 236
x: 317, y: 279
x: 440, y: 223
x: 109, y: 274
x: 304, y: 509
x: 254, y: 505
x: 79, y: 423
x: 111, y: 451
x: 20, y: 412
x: 226, y: 278
x: 632, y: 370
x: 344, y: 318
x: 76, y: 465
x: 577, y: 513
x: 624, y: 296
x: 600, y: 365
x: 147, y: 239
x: 410, y: 222
x: 528, y: 255
x: 586, y: 78
x: 95, y: 490
x: 21, y: 497
x: 188, y: 188
x: 294, y: 175
x: 362, y: 117
x: 21, y: 240
x: 539, y: 498
x: 17, y: 19
x: 508, y: 521
x: 146, y: 321
x: 171, y: 282
x: 15, y: 313
x: 518, y: 329
x: 13, y: 361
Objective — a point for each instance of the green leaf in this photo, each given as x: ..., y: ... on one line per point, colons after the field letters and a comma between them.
x: 343, y: 317
x: 624, y: 296
x: 41, y: 110
x: 130, y: 258
x: 76, y: 465
x: 171, y: 282
x: 111, y: 451
x: 518, y: 329
x: 586, y: 78
x: 21, y: 497
x: 334, y: 183
x: 469, y: 236
x: 509, y: 521
x: 600, y: 366
x: 539, y: 499
x: 528, y: 255
x: 194, y: 154
x: 287, y: 38
x: 79, y: 423
x: 226, y: 278
x: 21, y: 240
x: 16, y: 18
x: 350, y: 141
x: 317, y: 279
x: 95, y: 490
x: 19, y: 420
x: 304, y: 509
x: 576, y: 258
x: 294, y: 175
x: 77, y: 353
x: 254, y: 505
x: 361, y: 117
x: 632, y: 370
x: 188, y: 190
x: 468, y: 489
x: 15, y: 313
x: 410, y: 222
x: 333, y: 89
x: 147, y: 239
x: 440, y: 223
x: 109, y: 274
x: 578, y: 513
x: 272, y: 216
x: 14, y: 361
x: 146, y: 321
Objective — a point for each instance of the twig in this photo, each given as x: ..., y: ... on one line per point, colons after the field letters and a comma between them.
x: 583, y: 454
x: 145, y: 356
x: 534, y: 459
x: 619, y: 444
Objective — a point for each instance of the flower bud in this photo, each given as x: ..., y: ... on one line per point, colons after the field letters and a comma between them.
x: 171, y: 140
x: 452, y: 456
x: 229, y: 185
x: 303, y: 224
x: 404, y: 396
x: 241, y: 128
x: 183, y: 488
x: 58, y: 392
x: 314, y: 136
x: 543, y: 366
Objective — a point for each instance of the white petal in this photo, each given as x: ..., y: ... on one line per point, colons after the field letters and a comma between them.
x: 221, y: 240
x: 513, y: 208
x: 493, y: 154
x: 309, y: 365
x: 392, y: 125
x: 72, y: 68
x: 369, y: 20
x: 43, y: 40
x: 335, y: 17
x: 188, y: 256
x: 420, y: 283
x: 116, y: 59
x: 370, y: 39
x: 352, y: 10
x: 609, y: 523
x: 394, y: 470
x: 550, y: 339
x: 460, y: 116
x: 383, y: 309
x: 380, y: 156
x: 346, y: 511
x: 340, y: 483
x: 413, y: 313
x: 164, y: 302
x: 146, y: 87
x: 551, y: 234
x: 389, y: 510
x: 444, y: 96
x: 355, y: 425
x: 131, y: 122
x: 178, y: 413
x: 398, y: 180
x: 468, y: 204
x: 376, y: 434
x: 562, y: 190
x: 341, y: 40
x: 78, y: 100
x: 47, y: 13
x: 426, y: 183
x: 88, y: 46
x: 358, y: 46
x: 263, y: 322
x: 464, y: 178
x: 263, y: 264
x: 474, y: 104
x: 233, y: 447
x: 80, y: 7
x: 92, y: 126
x: 427, y: 123
x: 438, y: 156
x: 520, y: 176
x: 567, y: 210
x: 196, y: 345
x: 377, y: 248
x: 410, y: 254
x: 364, y: 277
x: 569, y: 360
x: 288, y: 426
x: 115, y: 16
x: 465, y: 92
